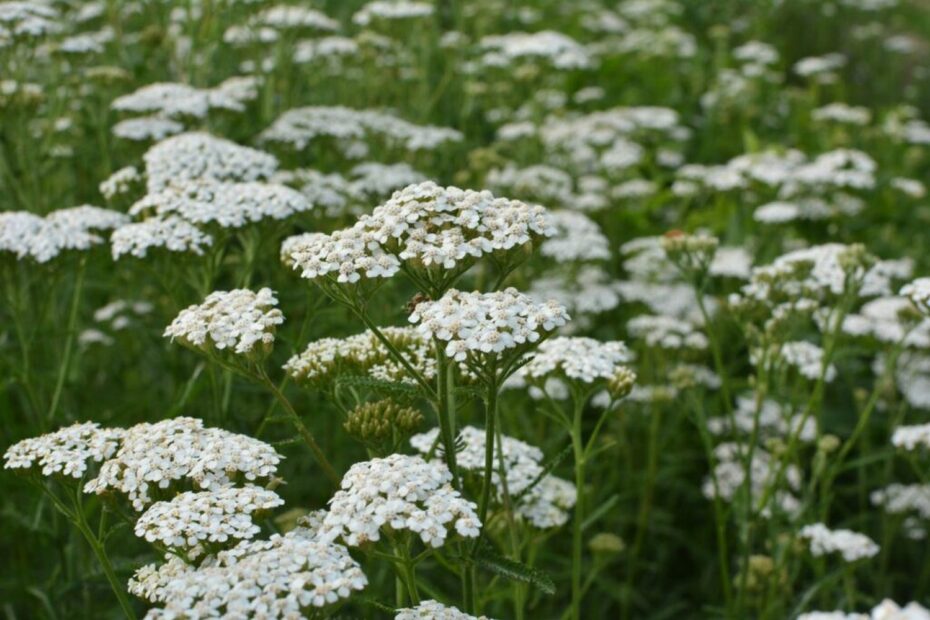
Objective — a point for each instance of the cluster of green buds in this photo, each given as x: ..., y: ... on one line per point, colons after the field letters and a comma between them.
x: 855, y: 261
x: 606, y: 544
x: 692, y: 254
x: 761, y: 571
x: 383, y: 423
x: 621, y: 384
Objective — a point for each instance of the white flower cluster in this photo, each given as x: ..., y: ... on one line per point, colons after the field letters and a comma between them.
x: 434, y: 610
x: 27, y: 19
x: 363, y: 354
x: 886, y: 610
x: 346, y: 254
x: 120, y: 182
x: 771, y: 420
x: 918, y: 292
x: 44, y: 238
x: 542, y: 500
x: 442, y: 225
x: 171, y: 233
x: 911, y: 437
x: 547, y: 504
x: 147, y: 128
x: 424, y: 225
x: 349, y: 129
x: 170, y: 100
x: 65, y: 451
x: 578, y: 238
x: 392, y: 10
x: 889, y: 320
x: 831, y: 265
x: 330, y: 52
x: 236, y: 320
x: 912, y: 377
x: 807, y: 358
x: 277, y: 579
x: 843, y: 113
x: 730, y: 474
x: 804, y: 188
x: 338, y: 195
x: 290, y: 17
x: 587, y: 291
x: 486, y: 323
x: 666, y: 332
x: 401, y: 493
x: 731, y: 262
x: 195, y: 518
x: 821, y: 68
x: 851, y: 545
x: 576, y: 358
x: 605, y: 140
x: 556, y: 49
x: 228, y: 205
x: 152, y: 456
x: 521, y: 460
x: 889, y: 610
x: 902, y: 498
x: 200, y: 156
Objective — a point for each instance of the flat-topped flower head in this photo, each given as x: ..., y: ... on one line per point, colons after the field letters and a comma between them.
x: 918, y: 292
x: 578, y: 238
x: 437, y: 233
x: 911, y: 437
x: 391, y: 11
x: 239, y: 321
x: 65, y: 452
x: 280, y: 578
x: 42, y: 239
x: 194, y: 519
x: 540, y: 499
x: 522, y: 462
x: 903, y: 498
x: 153, y: 456
x: 427, y: 224
x: 398, y: 493
x: 585, y: 360
x: 589, y: 290
x: 557, y: 50
x: 666, y: 332
x: 349, y: 130
x: 730, y: 478
x: 227, y: 205
x: 851, y: 545
x: 434, y: 610
x: 363, y: 354
x: 343, y: 257
x: 200, y: 156
x: 171, y: 234
x: 807, y: 358
x: 488, y: 324
x: 172, y: 100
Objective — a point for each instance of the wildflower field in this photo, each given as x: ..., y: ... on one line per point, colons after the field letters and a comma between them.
x: 458, y: 309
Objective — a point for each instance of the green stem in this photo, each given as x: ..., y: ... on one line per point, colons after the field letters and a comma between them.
x: 489, y: 425
x: 301, y: 429
x: 80, y: 521
x: 69, y: 340
x: 578, y: 519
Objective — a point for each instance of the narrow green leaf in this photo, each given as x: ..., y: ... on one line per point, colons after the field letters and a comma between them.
x: 510, y: 569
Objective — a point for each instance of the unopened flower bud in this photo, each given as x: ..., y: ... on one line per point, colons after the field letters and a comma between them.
x: 381, y: 421
x: 606, y: 543
x: 621, y: 384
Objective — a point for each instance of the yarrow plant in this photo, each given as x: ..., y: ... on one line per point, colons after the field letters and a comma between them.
x: 414, y: 309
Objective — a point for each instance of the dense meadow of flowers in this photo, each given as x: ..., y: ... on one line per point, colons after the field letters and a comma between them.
x: 460, y: 309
